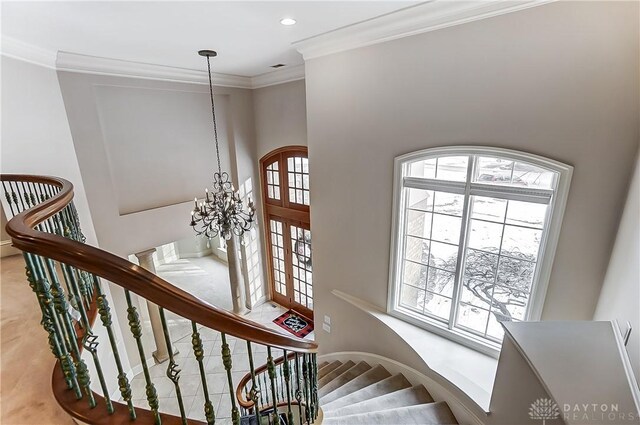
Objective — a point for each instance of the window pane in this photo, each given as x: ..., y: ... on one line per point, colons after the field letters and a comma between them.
x: 448, y: 203
x: 446, y: 228
x: 521, y: 243
x: 420, y: 199
x: 495, y: 329
x: 485, y: 236
x: 417, y: 250
x: 415, y: 274
x: 526, y: 214
x: 529, y: 175
x: 437, y: 306
x: 516, y: 274
x: 473, y: 318
x: 493, y: 170
x: 425, y: 169
x: 443, y: 256
x: 412, y: 298
x: 502, y: 171
x: 509, y: 304
x: 490, y: 209
x: 477, y: 293
x: 452, y: 168
x: 440, y: 282
x: 419, y: 223
x: 480, y: 265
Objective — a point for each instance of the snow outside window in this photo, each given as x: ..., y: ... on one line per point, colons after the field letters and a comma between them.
x: 472, y: 245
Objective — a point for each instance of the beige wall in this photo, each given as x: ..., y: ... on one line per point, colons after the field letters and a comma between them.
x: 559, y: 80
x: 280, y: 116
x: 620, y: 296
x: 179, y: 148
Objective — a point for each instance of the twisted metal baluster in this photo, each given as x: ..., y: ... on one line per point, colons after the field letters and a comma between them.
x: 173, y: 373
x: 310, y: 383
x: 305, y: 380
x: 272, y: 376
x: 266, y: 400
x: 314, y: 382
x: 298, y: 394
x: 105, y: 316
x: 287, y: 378
x: 226, y: 361
x: 253, y: 393
x: 52, y: 326
x: 198, y: 351
x: 136, y: 331
x: 61, y: 305
x: 281, y: 376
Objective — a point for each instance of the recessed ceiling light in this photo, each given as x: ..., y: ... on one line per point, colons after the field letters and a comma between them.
x: 288, y: 21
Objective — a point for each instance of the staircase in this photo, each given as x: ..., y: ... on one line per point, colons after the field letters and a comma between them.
x: 92, y: 382
x: 353, y: 393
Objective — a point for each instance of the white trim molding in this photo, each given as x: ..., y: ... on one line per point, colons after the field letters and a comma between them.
x: 424, y: 17
x: 85, y: 64
x: 73, y: 62
x: 16, y: 49
x: 283, y: 75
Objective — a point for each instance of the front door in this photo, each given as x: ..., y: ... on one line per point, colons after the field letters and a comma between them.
x: 285, y: 178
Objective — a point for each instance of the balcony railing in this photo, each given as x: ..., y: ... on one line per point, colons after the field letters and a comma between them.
x: 67, y: 277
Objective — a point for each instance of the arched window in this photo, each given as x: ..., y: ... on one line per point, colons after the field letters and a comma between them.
x: 474, y: 235
x: 285, y: 178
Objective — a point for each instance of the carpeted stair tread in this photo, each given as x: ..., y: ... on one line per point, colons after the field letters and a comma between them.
x: 328, y: 368
x: 385, y: 386
x: 402, y: 398
x: 370, y: 377
x: 335, y: 373
x: 423, y: 414
x: 341, y: 380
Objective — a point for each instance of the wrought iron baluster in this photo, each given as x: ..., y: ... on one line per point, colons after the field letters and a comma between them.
x: 136, y: 331
x: 298, y: 394
x: 305, y: 384
x: 62, y: 309
x: 314, y: 383
x: 105, y: 316
x: 51, y: 325
x: 253, y: 392
x: 287, y: 377
x: 272, y: 377
x: 198, y: 351
x: 226, y: 361
x: 173, y: 372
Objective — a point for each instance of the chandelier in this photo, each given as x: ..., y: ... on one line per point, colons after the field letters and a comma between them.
x: 221, y: 212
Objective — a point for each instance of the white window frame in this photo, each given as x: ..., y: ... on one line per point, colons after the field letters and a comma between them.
x: 548, y: 244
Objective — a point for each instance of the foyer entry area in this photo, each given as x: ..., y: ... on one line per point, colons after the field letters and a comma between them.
x: 207, y: 278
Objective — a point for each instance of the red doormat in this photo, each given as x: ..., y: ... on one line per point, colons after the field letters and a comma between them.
x: 294, y: 323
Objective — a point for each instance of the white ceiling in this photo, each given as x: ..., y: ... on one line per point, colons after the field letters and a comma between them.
x: 247, y: 35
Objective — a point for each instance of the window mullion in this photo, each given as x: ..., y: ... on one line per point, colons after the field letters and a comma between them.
x: 462, y: 243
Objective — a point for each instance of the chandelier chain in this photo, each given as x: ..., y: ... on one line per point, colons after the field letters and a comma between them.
x: 213, y: 114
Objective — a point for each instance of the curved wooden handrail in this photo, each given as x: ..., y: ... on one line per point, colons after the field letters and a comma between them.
x: 128, y: 275
x: 247, y: 377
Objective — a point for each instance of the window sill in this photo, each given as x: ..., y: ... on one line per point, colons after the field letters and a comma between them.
x: 457, y: 336
x: 471, y: 372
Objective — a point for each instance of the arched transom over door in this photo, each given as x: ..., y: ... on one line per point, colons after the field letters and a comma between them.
x: 285, y: 183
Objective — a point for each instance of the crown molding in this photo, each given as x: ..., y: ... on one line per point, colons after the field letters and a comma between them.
x: 73, y: 62
x: 16, y: 49
x: 283, y: 75
x: 418, y: 19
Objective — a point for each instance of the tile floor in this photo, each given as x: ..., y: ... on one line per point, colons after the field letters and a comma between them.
x: 207, y: 279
